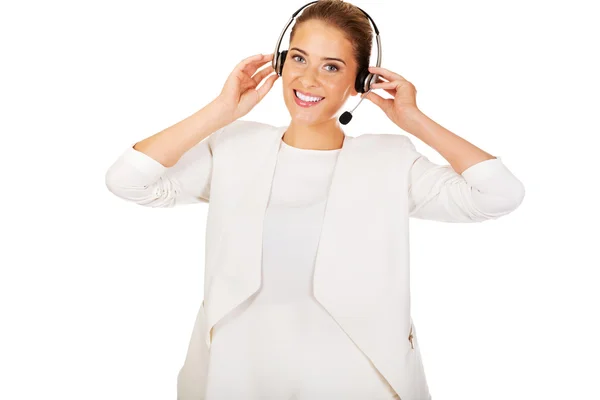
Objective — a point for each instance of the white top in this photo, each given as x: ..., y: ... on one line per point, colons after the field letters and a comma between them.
x: 292, y: 222
x: 280, y: 343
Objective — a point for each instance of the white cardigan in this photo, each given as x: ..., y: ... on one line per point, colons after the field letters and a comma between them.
x: 362, y: 266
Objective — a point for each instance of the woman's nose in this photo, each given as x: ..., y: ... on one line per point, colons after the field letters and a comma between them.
x: 309, y: 78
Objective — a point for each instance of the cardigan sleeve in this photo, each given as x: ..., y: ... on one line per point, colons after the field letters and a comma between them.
x: 486, y: 190
x: 138, y: 178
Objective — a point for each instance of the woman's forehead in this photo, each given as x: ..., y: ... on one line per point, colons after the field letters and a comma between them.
x: 320, y: 40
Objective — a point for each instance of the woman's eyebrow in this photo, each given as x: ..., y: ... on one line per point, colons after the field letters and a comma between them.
x: 322, y: 58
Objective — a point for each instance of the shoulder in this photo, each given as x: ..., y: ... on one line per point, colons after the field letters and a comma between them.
x: 385, y: 140
x: 243, y: 131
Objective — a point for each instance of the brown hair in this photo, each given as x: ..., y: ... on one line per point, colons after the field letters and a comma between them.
x: 349, y: 19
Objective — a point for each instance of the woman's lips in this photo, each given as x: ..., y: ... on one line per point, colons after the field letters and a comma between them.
x: 306, y: 104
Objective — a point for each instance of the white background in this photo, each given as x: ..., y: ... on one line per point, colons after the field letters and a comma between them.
x: 98, y: 295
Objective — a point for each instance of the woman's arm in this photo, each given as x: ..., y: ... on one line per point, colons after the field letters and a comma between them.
x: 169, y: 145
x: 460, y: 153
x: 476, y: 186
x: 175, y: 165
x: 171, y: 167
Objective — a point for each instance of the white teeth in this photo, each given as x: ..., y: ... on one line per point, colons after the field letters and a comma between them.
x: 307, y: 98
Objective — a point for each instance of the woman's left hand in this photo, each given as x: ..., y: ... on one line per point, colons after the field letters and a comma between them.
x: 404, y: 104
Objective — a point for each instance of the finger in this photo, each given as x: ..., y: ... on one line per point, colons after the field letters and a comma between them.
x: 253, y: 60
x: 258, y: 58
x: 266, y: 58
x: 251, y: 67
x: 264, y: 89
x: 260, y: 75
x: 379, y: 101
x: 248, y: 60
x: 390, y: 87
x: 385, y: 85
x: 391, y: 91
x: 386, y: 73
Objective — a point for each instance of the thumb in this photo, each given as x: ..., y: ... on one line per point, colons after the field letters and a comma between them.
x: 264, y: 89
x: 377, y: 99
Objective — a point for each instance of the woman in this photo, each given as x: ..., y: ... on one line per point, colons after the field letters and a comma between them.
x: 304, y: 203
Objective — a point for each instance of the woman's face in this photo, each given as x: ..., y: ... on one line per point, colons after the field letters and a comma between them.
x: 308, y: 71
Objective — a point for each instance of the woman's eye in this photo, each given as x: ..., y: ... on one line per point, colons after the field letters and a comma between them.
x: 295, y: 58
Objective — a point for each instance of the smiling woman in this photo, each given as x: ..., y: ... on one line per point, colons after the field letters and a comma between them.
x: 330, y: 44
x: 307, y: 283
x: 281, y: 343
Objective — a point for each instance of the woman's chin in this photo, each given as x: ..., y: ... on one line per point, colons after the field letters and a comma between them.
x: 305, y: 118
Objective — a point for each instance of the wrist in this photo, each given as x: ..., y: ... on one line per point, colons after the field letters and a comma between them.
x: 220, y: 111
x: 412, y: 120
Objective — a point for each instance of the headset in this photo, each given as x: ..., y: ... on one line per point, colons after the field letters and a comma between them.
x: 364, y: 79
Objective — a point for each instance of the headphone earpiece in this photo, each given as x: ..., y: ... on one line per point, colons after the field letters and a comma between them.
x: 361, y: 77
x: 364, y: 80
x: 280, y: 61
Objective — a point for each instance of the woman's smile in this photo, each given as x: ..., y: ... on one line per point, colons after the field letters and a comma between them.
x: 305, y: 100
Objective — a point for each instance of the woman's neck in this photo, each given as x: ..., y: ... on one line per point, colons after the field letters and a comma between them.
x: 324, y: 136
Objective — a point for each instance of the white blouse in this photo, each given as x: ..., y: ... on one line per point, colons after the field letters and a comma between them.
x: 281, y: 344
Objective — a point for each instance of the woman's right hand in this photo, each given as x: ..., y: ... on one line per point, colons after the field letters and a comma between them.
x: 240, y: 93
